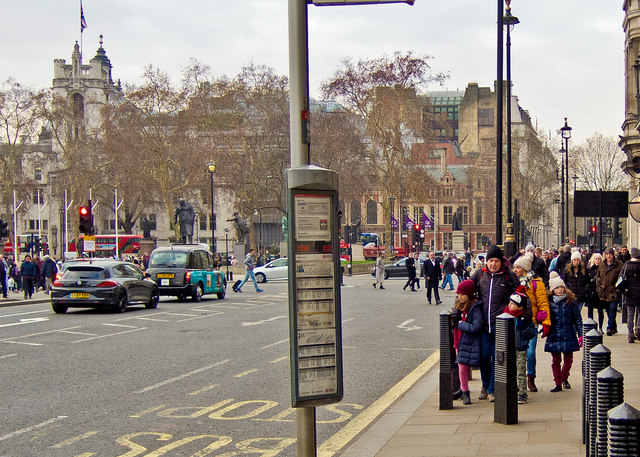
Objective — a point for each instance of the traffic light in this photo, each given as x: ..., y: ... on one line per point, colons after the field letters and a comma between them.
x: 85, y: 225
x: 594, y: 229
x: 4, y: 229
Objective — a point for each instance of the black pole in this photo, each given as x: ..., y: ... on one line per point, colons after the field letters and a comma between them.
x: 499, y: 117
x: 566, y: 181
x: 562, y: 205
x: 600, y: 218
x: 516, y: 227
x: 509, y: 196
x: 213, y: 229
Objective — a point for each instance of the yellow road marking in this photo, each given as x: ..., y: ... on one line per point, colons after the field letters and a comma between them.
x: 147, y: 411
x: 74, y: 440
x: 348, y: 432
x: 280, y: 359
x: 204, y: 389
x: 244, y: 373
x: 86, y: 454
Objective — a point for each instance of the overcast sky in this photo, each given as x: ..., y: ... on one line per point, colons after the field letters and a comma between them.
x: 567, y: 55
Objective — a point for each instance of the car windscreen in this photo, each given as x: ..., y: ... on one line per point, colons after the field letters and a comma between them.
x: 85, y: 272
x: 168, y: 259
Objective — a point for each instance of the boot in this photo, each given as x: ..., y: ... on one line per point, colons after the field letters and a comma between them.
x: 457, y: 395
x: 466, y: 398
x: 531, y: 383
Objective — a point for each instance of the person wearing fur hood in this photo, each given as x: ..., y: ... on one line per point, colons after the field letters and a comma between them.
x: 537, y: 294
x: 565, y: 336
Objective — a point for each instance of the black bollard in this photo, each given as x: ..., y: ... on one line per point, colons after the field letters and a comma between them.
x: 446, y: 362
x: 623, y: 430
x: 505, y: 408
x: 591, y: 340
x: 610, y: 387
x: 599, y: 359
x: 588, y: 325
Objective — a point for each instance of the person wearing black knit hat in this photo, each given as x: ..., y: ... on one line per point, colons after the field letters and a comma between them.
x: 494, y: 283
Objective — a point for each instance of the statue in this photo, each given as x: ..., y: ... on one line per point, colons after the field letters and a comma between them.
x: 145, y: 226
x: 186, y: 215
x: 457, y: 220
x: 241, y: 226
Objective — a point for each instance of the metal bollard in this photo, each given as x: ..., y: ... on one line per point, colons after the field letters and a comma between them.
x: 505, y: 409
x: 623, y: 430
x: 446, y: 343
x: 591, y: 340
x: 610, y: 387
x: 588, y: 325
x: 599, y: 359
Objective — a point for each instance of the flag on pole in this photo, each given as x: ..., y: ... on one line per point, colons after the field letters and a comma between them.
x: 83, y: 22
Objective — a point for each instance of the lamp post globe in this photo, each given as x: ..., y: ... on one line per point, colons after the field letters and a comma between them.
x: 212, y: 169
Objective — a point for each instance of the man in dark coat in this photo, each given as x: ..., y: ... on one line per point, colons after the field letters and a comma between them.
x: 563, y: 259
x: 432, y: 275
x: 494, y: 283
x: 49, y: 270
x: 411, y: 272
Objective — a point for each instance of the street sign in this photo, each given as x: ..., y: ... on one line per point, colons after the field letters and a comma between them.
x: 89, y: 243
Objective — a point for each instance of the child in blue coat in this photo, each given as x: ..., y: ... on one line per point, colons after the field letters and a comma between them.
x: 466, y: 334
x: 565, y: 336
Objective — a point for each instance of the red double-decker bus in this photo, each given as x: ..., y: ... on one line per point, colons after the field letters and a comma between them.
x: 106, y: 245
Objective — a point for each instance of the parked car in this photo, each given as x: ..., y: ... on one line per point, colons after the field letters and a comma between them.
x: 276, y: 269
x: 186, y: 270
x: 397, y: 269
x: 102, y: 283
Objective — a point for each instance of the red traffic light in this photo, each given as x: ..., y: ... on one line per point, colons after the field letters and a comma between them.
x: 416, y: 227
x: 83, y: 211
x: 594, y: 229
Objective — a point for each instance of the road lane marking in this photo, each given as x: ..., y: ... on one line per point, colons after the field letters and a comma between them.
x: 26, y: 313
x: 31, y: 320
x: 246, y: 324
x: 13, y: 338
x: 347, y: 320
x: 109, y: 335
x: 75, y: 439
x: 275, y: 344
x: 200, y: 317
x: 280, y: 359
x: 7, y: 356
x: 77, y: 333
x: 152, y: 319
x: 405, y: 325
x: 121, y: 325
x: 86, y: 454
x: 336, y: 442
x: 33, y: 427
x: 182, y: 376
x: 204, y: 389
x: 147, y: 411
x: 245, y: 373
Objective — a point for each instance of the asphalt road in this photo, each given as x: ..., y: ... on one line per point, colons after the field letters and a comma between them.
x: 196, y: 379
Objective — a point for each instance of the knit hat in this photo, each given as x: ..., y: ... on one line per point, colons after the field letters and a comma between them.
x: 530, y: 247
x: 635, y: 253
x: 576, y: 255
x: 610, y: 251
x: 467, y: 287
x: 519, y: 297
x: 495, y: 253
x: 524, y: 261
x: 555, y: 281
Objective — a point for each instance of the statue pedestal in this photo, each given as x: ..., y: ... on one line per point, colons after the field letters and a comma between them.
x: 458, y: 240
x: 147, y: 246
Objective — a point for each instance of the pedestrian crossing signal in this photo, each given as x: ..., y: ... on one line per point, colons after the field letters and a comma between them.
x: 85, y: 225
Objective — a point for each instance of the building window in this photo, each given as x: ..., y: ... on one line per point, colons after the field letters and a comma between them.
x: 432, y: 212
x: 465, y: 215
x: 447, y: 240
x: 32, y: 224
x: 417, y: 214
x: 448, y: 192
x: 478, y: 213
x: 37, y: 173
x: 356, y: 212
x: 35, y: 198
x: 372, y: 212
x: 203, y: 222
x: 109, y: 224
x: 479, y: 241
x: 485, y: 117
x: 152, y: 222
x: 447, y: 215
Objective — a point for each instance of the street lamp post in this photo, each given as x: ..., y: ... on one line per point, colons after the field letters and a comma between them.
x: 510, y: 22
x: 566, y: 134
x: 562, y: 194
x: 499, y: 109
x: 212, y: 169
x: 392, y: 200
x: 556, y: 201
x: 575, y: 225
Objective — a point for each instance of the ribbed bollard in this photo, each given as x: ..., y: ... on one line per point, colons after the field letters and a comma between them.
x: 599, y: 359
x: 610, y: 387
x: 591, y: 340
x: 446, y: 343
x: 505, y: 408
x: 623, y: 431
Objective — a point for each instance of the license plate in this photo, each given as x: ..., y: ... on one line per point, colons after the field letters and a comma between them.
x: 165, y: 275
x: 79, y: 295
x: 164, y: 282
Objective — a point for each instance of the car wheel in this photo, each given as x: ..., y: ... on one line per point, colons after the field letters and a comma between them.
x: 59, y: 309
x: 153, y: 300
x: 180, y: 297
x: 197, y: 293
x: 386, y: 275
x: 121, y: 305
x: 222, y: 294
x: 260, y: 277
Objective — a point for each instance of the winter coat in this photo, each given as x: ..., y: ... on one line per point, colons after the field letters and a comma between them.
x: 448, y: 266
x: 539, y: 269
x: 379, y: 270
x: 632, y: 283
x: 539, y: 302
x: 606, y: 278
x: 564, y: 259
x: 471, y: 329
x: 494, y: 290
x: 411, y: 267
x: 460, y: 267
x: 28, y: 269
x: 566, y: 325
x: 577, y: 280
x: 525, y: 331
x: 49, y: 268
x: 594, y: 301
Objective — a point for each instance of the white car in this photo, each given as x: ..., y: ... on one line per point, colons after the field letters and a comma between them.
x: 276, y: 269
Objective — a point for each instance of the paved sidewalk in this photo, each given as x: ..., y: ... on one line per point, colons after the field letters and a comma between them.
x: 549, y: 425
x: 18, y: 299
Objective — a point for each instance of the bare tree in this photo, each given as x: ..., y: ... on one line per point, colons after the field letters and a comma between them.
x: 596, y: 162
